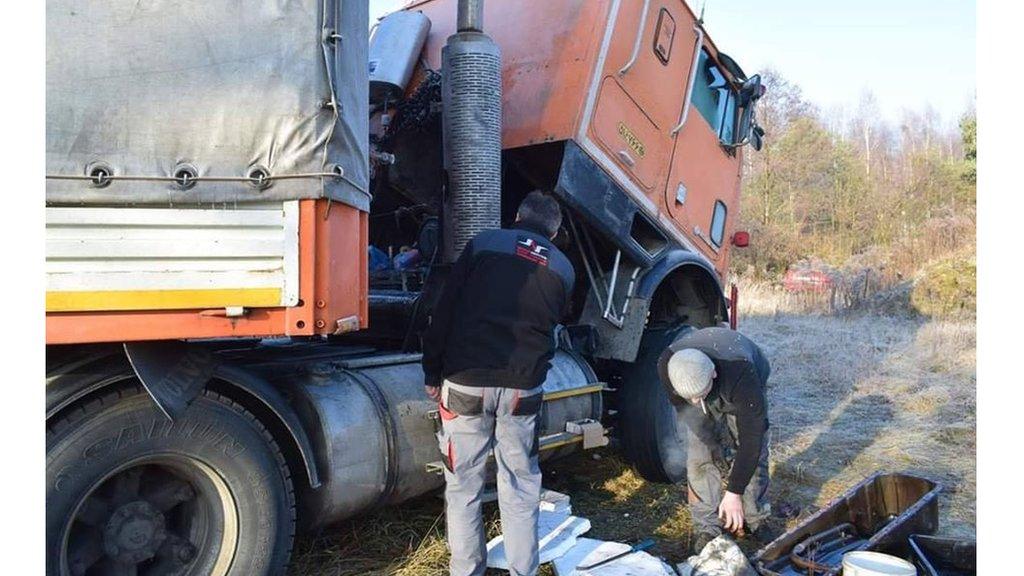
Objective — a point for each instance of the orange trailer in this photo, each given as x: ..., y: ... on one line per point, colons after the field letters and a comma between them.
x: 332, y: 290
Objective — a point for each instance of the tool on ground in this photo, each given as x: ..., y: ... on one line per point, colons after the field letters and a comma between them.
x: 642, y: 545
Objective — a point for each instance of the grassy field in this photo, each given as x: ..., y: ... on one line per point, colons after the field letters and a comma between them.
x: 849, y: 395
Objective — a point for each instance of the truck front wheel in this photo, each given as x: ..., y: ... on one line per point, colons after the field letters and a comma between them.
x: 128, y: 492
x: 652, y: 435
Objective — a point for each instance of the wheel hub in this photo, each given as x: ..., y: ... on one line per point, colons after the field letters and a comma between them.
x: 134, y: 532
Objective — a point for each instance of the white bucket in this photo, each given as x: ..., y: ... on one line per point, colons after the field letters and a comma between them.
x: 876, y: 564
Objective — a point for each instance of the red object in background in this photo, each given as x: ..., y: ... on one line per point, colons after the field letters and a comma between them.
x: 806, y: 280
x: 734, y: 306
x: 741, y: 239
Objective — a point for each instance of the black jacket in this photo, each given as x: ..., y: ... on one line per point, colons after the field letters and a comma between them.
x: 494, y: 322
x: 738, y: 389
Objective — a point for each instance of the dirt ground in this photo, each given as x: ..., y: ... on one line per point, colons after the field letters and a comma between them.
x: 849, y: 396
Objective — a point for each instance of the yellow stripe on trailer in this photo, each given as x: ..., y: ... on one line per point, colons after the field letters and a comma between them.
x: 100, y: 300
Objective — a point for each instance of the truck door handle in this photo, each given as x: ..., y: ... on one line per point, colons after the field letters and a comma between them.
x: 626, y: 158
x: 693, y: 78
x: 639, y: 38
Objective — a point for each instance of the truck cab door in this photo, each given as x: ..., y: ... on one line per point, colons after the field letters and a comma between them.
x: 703, y: 185
x: 636, y: 100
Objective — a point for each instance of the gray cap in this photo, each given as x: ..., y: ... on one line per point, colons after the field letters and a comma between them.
x: 690, y: 372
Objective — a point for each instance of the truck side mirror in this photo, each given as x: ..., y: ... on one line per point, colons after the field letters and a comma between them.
x: 751, y: 90
x: 757, y: 137
x: 741, y: 239
x: 749, y: 94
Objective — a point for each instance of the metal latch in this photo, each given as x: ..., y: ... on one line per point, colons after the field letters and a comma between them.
x: 593, y: 432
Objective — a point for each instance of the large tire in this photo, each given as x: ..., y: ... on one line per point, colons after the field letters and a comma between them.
x: 652, y: 436
x: 128, y: 492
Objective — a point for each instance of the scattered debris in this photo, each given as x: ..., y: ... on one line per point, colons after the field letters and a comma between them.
x: 552, y: 501
x: 638, y: 547
x: 720, y: 557
x: 589, y: 551
x: 557, y: 531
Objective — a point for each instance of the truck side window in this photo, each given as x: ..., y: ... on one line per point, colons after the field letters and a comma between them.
x: 718, y: 223
x: 714, y: 98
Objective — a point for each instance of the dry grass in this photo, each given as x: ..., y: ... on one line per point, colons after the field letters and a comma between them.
x: 854, y: 394
x: 849, y: 395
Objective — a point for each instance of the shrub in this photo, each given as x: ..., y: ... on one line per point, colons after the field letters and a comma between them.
x: 947, y: 287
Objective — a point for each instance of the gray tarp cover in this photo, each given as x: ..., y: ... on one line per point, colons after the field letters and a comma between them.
x: 224, y: 86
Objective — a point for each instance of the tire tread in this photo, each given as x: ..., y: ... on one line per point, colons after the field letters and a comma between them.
x: 107, y: 397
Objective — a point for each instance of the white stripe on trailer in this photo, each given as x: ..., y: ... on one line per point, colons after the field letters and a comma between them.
x: 128, y: 249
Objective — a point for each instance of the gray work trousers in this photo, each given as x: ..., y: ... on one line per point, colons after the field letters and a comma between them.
x: 711, y: 445
x: 474, y: 422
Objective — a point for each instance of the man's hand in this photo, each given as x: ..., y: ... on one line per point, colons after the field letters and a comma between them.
x: 433, y: 392
x: 730, y: 511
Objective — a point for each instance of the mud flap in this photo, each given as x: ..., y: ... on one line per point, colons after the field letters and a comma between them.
x: 174, y: 373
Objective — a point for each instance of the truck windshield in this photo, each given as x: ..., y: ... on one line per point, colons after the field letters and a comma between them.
x: 715, y: 99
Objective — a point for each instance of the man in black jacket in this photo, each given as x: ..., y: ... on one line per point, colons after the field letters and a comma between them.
x: 717, y: 377
x: 485, y: 357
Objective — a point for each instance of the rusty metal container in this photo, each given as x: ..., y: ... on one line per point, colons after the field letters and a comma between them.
x: 879, y: 514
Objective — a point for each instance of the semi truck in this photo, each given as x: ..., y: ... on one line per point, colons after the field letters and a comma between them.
x: 251, y: 209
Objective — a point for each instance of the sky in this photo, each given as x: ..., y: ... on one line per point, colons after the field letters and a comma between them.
x: 908, y: 53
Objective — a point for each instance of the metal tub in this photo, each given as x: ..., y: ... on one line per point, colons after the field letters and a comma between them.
x: 878, y: 514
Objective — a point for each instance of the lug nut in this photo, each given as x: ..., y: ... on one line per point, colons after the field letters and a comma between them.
x: 186, y: 553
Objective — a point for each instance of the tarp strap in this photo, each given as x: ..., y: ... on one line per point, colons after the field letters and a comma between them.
x: 256, y: 181
x: 329, y: 38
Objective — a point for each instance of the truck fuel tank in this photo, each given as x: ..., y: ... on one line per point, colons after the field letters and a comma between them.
x: 373, y: 429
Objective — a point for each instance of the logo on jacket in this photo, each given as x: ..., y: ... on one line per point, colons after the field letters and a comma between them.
x: 529, y: 249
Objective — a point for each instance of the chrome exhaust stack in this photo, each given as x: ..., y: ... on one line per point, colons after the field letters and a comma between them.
x: 471, y: 92
x: 471, y: 16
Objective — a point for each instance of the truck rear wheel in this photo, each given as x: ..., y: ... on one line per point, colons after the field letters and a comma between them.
x: 652, y: 437
x: 128, y: 492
